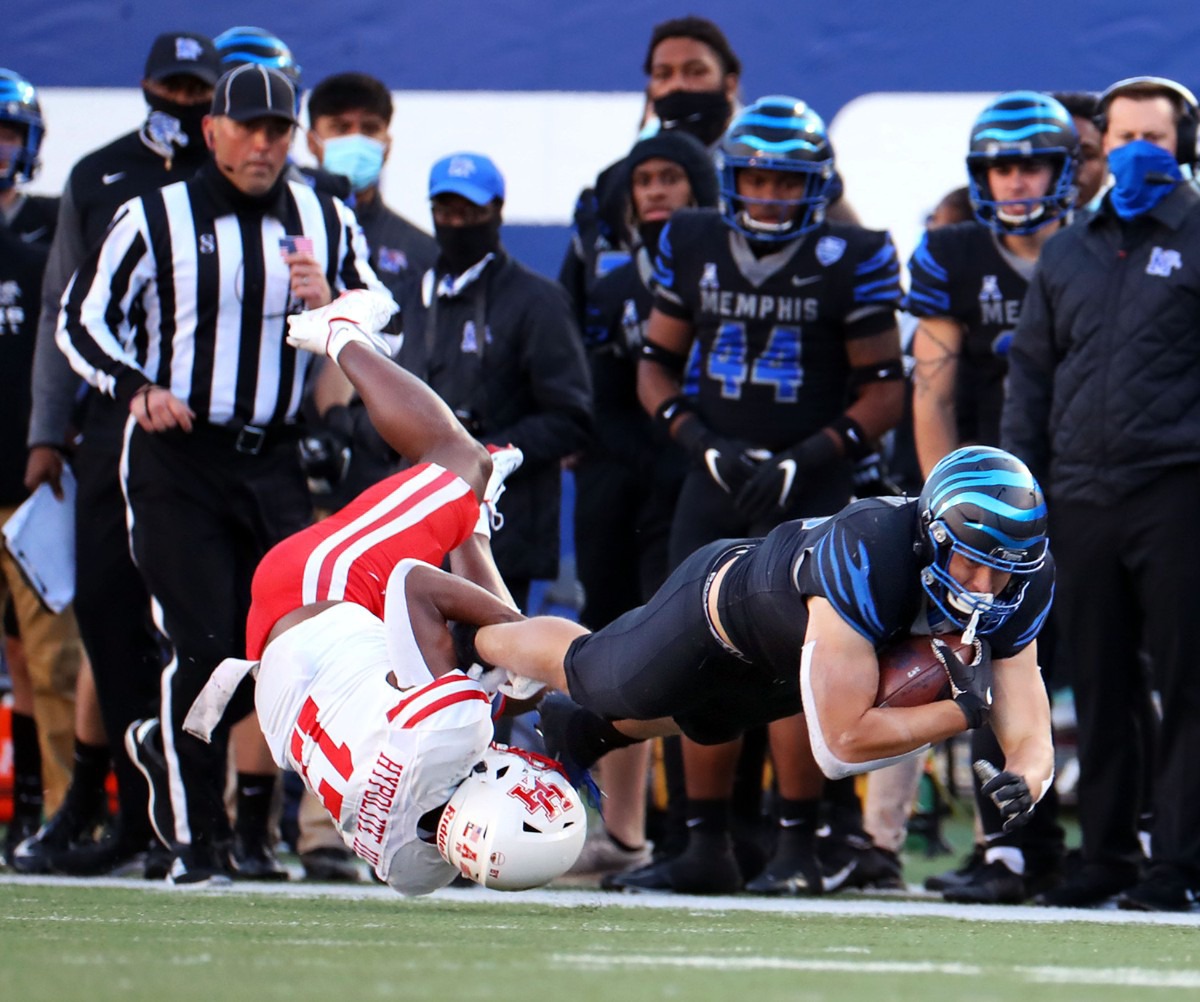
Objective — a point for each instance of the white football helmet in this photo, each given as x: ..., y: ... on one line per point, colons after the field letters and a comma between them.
x: 515, y: 822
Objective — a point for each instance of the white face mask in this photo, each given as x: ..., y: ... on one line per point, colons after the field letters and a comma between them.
x: 357, y: 157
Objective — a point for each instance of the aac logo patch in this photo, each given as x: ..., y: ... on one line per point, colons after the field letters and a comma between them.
x: 1163, y: 262
x: 830, y: 250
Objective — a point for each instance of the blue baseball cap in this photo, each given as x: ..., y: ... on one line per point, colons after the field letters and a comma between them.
x: 471, y: 175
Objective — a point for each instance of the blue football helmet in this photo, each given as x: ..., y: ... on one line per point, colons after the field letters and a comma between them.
x: 984, y: 504
x: 1023, y: 125
x: 19, y: 108
x: 238, y: 46
x: 779, y: 134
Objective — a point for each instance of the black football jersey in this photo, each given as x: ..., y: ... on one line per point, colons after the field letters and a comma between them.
x: 964, y: 272
x: 772, y: 330
x: 866, y: 561
x: 24, y: 244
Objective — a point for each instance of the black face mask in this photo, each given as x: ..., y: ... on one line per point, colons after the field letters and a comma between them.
x: 701, y: 113
x: 189, y: 117
x: 650, y: 232
x: 463, y: 246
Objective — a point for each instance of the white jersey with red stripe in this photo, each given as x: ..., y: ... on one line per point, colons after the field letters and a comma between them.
x: 350, y: 705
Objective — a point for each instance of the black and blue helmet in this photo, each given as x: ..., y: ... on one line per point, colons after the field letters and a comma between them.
x: 242, y: 45
x: 20, y: 109
x: 1023, y: 125
x: 780, y: 134
x: 984, y: 504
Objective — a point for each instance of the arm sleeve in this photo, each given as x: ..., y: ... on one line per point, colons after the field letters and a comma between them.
x: 54, y: 382
x: 93, y: 327
x: 1025, y: 421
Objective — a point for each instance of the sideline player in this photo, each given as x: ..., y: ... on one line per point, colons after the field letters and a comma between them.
x: 743, y: 627
x: 968, y: 282
x: 792, y: 318
x: 358, y: 688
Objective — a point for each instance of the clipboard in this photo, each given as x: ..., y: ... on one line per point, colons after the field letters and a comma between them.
x: 40, y: 537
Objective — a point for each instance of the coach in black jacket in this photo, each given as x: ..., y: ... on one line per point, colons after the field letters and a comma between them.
x: 1104, y: 405
x: 499, y: 345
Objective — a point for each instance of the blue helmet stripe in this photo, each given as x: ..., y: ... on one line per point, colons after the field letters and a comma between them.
x: 776, y: 121
x: 989, y: 503
x: 1040, y: 109
x: 784, y: 146
x: 1008, y: 542
x: 1016, y: 135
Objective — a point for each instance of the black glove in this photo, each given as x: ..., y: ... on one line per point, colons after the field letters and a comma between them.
x: 1008, y: 791
x: 324, y: 458
x: 872, y: 480
x: 970, y: 684
x: 729, y: 463
x: 778, y: 480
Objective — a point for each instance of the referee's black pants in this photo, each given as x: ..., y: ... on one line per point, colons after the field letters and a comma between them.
x: 112, y: 606
x: 203, y: 514
x: 1127, y: 577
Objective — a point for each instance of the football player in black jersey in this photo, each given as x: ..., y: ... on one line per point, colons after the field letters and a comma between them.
x: 44, y: 660
x: 748, y: 630
x: 793, y: 317
x: 629, y: 478
x: 968, y: 281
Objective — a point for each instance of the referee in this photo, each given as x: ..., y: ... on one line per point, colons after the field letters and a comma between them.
x: 180, y: 314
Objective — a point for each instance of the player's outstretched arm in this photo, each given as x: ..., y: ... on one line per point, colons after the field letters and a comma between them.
x: 839, y: 679
x: 1020, y: 719
x: 534, y: 648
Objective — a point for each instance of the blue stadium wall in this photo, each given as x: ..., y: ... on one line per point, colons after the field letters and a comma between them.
x: 827, y: 53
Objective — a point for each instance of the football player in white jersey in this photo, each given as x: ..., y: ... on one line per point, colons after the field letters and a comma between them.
x: 360, y: 688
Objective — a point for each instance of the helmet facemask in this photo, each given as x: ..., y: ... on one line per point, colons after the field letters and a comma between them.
x: 795, y: 216
x: 1022, y: 215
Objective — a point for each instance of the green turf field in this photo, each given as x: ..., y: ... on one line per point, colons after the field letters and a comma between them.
x: 89, y: 942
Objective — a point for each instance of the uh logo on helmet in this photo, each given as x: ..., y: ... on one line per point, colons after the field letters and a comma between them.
x: 514, y: 823
x: 20, y: 111
x: 1023, y: 126
x: 984, y: 504
x: 776, y: 134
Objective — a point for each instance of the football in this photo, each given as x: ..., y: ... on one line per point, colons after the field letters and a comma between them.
x: 911, y: 675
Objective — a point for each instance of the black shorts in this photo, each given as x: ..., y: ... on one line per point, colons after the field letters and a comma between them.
x: 662, y: 660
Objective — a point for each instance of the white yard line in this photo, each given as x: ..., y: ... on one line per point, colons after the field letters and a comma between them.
x: 1122, y: 976
x: 840, y: 905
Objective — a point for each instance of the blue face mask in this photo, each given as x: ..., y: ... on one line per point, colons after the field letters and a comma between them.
x: 356, y: 157
x: 1143, y: 175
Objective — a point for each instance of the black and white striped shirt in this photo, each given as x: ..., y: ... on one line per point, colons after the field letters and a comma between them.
x: 189, y: 291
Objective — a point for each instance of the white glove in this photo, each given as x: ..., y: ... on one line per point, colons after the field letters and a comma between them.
x: 363, y: 308
x: 353, y: 316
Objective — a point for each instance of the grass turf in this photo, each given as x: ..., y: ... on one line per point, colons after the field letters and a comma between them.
x: 97, y: 943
